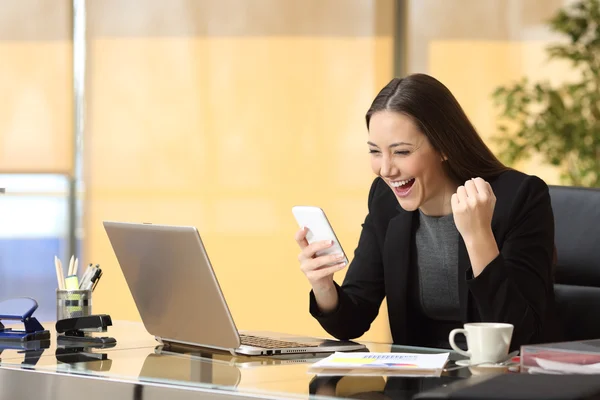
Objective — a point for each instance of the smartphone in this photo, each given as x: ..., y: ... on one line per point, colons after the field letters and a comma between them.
x: 319, y: 228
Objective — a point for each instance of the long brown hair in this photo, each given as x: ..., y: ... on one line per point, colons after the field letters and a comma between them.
x: 439, y: 116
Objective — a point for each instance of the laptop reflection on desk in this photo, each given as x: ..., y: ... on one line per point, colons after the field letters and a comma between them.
x: 167, y: 369
x: 239, y: 360
x: 179, y: 298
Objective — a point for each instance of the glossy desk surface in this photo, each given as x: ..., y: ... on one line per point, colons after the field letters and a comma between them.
x: 138, y: 357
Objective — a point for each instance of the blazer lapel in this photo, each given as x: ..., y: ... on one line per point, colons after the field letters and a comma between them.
x: 397, y: 260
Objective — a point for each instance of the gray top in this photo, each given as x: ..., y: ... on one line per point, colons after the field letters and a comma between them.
x: 437, y: 260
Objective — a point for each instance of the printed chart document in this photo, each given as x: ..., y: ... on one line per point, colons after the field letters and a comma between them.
x: 390, y: 364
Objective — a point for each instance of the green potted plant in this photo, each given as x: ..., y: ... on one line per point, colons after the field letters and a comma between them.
x: 561, y: 123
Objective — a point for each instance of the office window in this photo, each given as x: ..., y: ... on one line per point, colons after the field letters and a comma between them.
x: 33, y: 228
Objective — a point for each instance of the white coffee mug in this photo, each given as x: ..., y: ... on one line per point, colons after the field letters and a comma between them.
x: 487, y: 342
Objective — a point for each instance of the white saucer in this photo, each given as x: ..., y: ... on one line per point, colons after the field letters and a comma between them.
x: 467, y: 363
x: 480, y: 369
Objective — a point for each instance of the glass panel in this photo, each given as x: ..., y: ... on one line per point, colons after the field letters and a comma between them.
x: 33, y: 229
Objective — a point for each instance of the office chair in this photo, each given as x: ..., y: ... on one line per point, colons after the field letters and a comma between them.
x: 577, y: 273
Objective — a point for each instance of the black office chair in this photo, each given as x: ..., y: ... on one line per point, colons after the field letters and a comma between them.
x: 577, y: 275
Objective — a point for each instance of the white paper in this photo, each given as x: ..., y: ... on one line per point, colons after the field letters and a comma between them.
x: 568, y: 368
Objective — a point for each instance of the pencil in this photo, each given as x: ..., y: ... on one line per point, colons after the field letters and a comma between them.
x: 62, y: 272
x: 71, y: 264
x: 75, y: 266
x: 59, y: 273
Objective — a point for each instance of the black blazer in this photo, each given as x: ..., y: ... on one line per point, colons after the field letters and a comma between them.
x: 516, y: 287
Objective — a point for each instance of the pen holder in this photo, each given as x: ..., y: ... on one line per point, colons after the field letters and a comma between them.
x: 73, y: 303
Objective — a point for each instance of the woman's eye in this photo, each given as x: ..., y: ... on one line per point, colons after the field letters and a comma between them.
x: 373, y: 151
x: 402, y: 152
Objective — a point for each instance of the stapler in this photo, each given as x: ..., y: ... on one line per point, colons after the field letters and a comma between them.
x: 76, y: 330
x: 21, y: 309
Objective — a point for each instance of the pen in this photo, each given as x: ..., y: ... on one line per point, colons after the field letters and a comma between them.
x: 92, y: 279
x: 89, y: 272
x: 97, y: 280
x: 87, y: 269
x: 88, y: 277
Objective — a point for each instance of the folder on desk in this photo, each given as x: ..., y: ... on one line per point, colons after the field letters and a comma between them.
x: 576, y: 357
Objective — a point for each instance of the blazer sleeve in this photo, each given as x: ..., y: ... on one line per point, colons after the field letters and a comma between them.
x: 362, y: 291
x: 515, y: 286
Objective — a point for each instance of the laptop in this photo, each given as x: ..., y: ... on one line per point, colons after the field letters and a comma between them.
x: 179, y: 299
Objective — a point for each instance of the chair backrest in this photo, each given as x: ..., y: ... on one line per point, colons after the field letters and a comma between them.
x: 577, y: 275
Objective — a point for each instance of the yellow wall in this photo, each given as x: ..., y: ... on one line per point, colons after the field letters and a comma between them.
x: 474, y: 46
x: 490, y: 64
x: 36, y: 100
x: 224, y: 117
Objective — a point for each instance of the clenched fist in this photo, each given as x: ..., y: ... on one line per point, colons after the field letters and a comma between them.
x: 473, y: 207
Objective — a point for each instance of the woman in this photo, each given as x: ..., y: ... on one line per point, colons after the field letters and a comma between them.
x: 471, y: 240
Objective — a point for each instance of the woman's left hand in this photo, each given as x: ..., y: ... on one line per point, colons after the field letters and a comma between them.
x: 473, y: 206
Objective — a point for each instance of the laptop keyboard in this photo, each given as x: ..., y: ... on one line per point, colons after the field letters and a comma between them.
x: 268, y: 343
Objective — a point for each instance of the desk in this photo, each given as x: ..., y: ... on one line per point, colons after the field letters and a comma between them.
x: 138, y: 358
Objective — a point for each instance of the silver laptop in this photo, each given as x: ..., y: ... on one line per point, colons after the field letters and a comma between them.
x: 179, y: 298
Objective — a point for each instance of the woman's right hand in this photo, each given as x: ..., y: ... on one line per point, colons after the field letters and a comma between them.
x: 319, y: 270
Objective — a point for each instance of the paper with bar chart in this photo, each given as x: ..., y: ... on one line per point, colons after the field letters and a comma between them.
x: 392, y: 364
